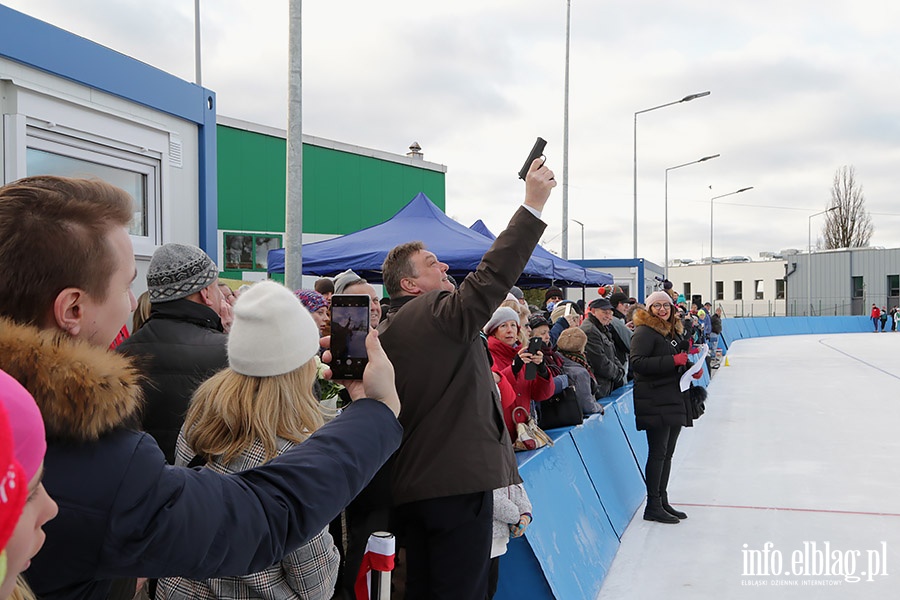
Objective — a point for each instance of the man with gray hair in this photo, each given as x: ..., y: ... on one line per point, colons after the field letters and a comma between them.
x: 182, y: 343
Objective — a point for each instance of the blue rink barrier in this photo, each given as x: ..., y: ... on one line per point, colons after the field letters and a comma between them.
x: 586, y: 488
x: 623, y: 408
x: 615, y: 475
x: 749, y: 327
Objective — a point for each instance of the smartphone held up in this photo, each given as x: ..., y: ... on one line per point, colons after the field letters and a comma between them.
x: 534, y: 346
x: 349, y: 328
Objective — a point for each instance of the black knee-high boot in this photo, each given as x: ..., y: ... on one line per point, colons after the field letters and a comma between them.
x: 654, y: 510
x: 664, y: 494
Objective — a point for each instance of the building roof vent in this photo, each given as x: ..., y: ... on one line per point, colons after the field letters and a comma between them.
x: 415, y: 151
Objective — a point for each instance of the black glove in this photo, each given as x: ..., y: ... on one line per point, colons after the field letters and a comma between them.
x: 517, y: 365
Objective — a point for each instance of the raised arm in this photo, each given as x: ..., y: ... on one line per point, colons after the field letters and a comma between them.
x: 465, y: 312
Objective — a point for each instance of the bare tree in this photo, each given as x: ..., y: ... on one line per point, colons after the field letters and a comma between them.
x: 848, y: 225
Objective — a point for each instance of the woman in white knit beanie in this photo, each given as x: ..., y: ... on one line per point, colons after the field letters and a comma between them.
x: 258, y: 407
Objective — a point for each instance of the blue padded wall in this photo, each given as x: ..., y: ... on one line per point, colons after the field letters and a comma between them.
x: 609, y: 462
x: 571, y: 536
x: 521, y: 575
x: 637, y: 440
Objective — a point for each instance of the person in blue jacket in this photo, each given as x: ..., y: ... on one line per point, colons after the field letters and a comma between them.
x: 123, y: 512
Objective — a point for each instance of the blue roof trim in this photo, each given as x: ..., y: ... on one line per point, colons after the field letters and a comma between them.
x: 591, y: 263
x: 209, y: 194
x: 43, y: 46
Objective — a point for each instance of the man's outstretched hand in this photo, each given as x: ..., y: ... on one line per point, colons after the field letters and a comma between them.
x: 378, y: 378
x: 538, y: 183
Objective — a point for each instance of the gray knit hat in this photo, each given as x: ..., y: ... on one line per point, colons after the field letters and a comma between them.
x: 501, y: 316
x: 344, y: 280
x: 177, y: 271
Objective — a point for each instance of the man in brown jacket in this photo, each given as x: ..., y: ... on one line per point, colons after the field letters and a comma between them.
x: 455, y: 448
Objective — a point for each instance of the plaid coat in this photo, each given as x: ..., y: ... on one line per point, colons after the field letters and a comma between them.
x: 308, y: 573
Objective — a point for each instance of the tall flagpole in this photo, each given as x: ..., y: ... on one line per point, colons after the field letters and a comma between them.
x: 565, y: 178
x: 198, y: 77
x: 293, y: 234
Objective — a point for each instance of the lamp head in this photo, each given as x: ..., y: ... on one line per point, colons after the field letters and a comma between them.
x: 694, y: 97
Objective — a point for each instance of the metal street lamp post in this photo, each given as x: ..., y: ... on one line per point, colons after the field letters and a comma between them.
x: 809, y: 257
x: 712, y: 292
x: 685, y: 99
x: 565, y: 178
x: 694, y: 162
x: 582, y: 236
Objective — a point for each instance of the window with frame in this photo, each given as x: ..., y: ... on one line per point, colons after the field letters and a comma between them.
x: 687, y: 290
x: 738, y: 290
x: 759, y: 288
x: 249, y: 251
x: 857, y: 287
x: 53, y: 153
x: 893, y: 285
x: 779, y: 289
x: 720, y: 290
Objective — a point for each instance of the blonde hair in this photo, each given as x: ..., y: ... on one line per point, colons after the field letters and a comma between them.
x: 22, y: 591
x: 142, y: 312
x: 229, y: 411
x: 524, y: 315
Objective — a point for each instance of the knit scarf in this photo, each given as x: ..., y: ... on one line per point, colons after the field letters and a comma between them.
x: 578, y: 357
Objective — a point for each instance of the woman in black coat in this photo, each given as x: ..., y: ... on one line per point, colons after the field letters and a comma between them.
x: 658, y: 358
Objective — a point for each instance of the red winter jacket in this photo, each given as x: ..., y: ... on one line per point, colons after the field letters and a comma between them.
x: 515, y: 390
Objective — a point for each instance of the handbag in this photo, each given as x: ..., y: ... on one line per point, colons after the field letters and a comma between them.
x: 562, y: 410
x: 697, y: 401
x: 528, y: 435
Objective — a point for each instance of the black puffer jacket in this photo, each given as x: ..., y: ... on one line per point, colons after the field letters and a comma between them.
x: 178, y: 348
x: 658, y: 401
x: 601, y: 354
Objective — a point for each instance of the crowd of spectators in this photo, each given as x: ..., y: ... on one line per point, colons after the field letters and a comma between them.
x: 205, y: 452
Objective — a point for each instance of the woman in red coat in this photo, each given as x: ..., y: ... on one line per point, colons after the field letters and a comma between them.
x: 510, y: 357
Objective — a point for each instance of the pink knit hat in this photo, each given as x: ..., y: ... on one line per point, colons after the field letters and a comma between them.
x: 657, y: 297
x: 26, y: 425
x: 13, y: 485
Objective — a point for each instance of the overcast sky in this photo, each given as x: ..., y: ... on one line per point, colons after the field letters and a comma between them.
x: 798, y: 89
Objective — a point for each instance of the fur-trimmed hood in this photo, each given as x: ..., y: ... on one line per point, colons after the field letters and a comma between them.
x: 83, y: 391
x: 664, y: 328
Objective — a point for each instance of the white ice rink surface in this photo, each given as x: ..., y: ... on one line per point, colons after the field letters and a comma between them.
x: 800, y: 448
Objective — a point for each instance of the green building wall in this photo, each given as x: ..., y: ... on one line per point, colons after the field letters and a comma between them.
x: 345, y: 188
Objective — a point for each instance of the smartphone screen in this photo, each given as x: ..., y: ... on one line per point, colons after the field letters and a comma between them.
x: 349, y: 328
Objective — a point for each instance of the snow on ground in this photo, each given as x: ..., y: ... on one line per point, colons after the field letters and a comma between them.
x: 791, y: 480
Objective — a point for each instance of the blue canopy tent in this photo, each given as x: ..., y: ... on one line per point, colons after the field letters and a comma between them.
x: 564, y: 272
x: 364, y: 251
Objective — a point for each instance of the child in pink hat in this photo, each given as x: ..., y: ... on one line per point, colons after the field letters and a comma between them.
x: 24, y: 504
